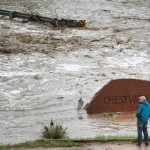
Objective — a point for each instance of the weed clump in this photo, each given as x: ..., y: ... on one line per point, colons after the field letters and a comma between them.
x: 54, y: 131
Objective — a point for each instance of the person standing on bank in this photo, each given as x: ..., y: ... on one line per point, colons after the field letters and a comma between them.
x: 142, y: 114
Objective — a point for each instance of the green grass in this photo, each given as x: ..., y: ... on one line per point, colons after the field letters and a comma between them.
x: 66, y: 142
x: 110, y: 138
x: 41, y: 143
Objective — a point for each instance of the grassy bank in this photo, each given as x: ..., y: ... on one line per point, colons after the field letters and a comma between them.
x: 110, y: 138
x: 67, y: 142
x: 41, y: 143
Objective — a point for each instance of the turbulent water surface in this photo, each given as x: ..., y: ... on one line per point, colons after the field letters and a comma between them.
x: 50, y: 70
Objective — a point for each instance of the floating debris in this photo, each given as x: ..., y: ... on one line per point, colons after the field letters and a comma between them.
x: 54, y: 22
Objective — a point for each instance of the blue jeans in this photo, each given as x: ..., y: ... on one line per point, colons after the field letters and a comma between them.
x: 142, y: 126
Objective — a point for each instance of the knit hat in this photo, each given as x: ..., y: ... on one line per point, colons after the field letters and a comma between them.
x: 142, y: 98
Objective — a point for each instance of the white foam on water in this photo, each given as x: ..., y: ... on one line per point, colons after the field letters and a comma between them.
x: 15, y: 92
x: 71, y: 67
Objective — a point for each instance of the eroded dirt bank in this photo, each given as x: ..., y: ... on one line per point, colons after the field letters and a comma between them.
x: 101, y: 146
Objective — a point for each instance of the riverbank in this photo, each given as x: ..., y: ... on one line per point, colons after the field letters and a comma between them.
x: 102, y: 144
x: 98, y: 146
x: 46, y: 143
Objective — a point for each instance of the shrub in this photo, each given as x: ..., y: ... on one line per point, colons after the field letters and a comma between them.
x: 54, y: 131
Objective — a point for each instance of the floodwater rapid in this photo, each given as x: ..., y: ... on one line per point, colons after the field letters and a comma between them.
x: 51, y: 69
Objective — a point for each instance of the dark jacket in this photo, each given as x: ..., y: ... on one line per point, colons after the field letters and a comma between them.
x: 143, y: 111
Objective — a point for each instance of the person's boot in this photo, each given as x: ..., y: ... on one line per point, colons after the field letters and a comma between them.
x: 138, y: 144
x: 147, y: 144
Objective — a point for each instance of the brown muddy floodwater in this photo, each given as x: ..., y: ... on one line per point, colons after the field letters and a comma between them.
x: 45, y: 71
